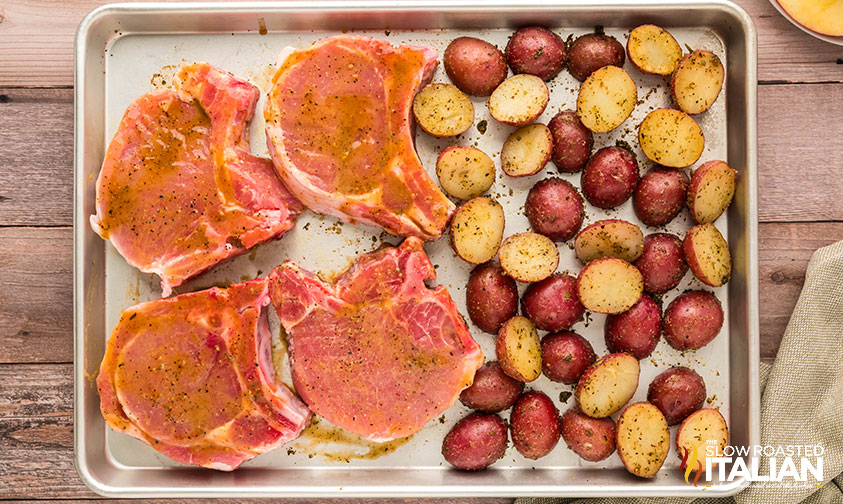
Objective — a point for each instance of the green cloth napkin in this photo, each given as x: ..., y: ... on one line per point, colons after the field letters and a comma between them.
x: 802, y: 393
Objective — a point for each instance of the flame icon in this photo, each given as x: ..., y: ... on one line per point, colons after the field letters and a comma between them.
x: 691, y: 462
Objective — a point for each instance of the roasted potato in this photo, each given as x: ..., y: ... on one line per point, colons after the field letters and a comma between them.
x: 593, y: 51
x: 475, y: 442
x: 555, y: 209
x: 696, y: 82
x: 677, y: 392
x: 703, y: 430
x: 635, y: 331
x: 442, y: 110
x: 491, y: 297
x: 660, y: 196
x: 609, y: 177
x: 566, y: 356
x: 572, y: 142
x: 708, y: 255
x: 606, y: 99
x: 529, y: 257
x: 526, y: 151
x: 552, y: 304
x: 534, y: 425
x: 711, y: 191
x: 473, y: 65
x: 519, y: 350
x: 465, y: 172
x: 692, y: 320
x: 662, y: 263
x: 643, y: 439
x: 607, y: 385
x: 536, y: 51
x: 609, y: 238
x: 593, y: 439
x: 671, y: 138
x: 476, y: 230
x: 653, y: 50
x: 492, y: 390
x: 609, y: 285
x: 519, y: 100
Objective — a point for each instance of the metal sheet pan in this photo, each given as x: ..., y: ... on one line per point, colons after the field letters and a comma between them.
x: 123, y: 51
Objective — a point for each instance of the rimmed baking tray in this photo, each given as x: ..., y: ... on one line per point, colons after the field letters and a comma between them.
x: 123, y: 51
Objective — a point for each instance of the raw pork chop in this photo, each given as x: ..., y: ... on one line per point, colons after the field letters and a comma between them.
x: 179, y: 191
x: 376, y: 352
x: 339, y: 128
x: 193, y: 377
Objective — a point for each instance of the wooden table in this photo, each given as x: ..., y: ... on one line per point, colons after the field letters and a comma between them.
x: 800, y: 143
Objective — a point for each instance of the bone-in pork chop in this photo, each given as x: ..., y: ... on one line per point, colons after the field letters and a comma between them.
x: 193, y: 377
x: 375, y: 352
x: 179, y: 191
x: 339, y: 128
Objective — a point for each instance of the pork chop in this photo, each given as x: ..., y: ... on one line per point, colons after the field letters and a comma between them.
x: 179, y: 191
x: 340, y: 132
x: 375, y: 352
x: 192, y: 376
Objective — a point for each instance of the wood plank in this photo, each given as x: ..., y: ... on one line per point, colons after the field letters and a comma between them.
x: 36, y: 44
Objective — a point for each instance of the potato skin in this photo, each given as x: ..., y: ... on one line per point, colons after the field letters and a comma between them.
x: 692, y: 320
x: 572, y: 141
x: 660, y: 195
x: 475, y: 66
x: 552, y: 304
x: 677, y: 392
x: 535, y: 425
x: 592, y: 51
x: 593, y: 439
x: 491, y: 297
x: 492, y: 390
x: 537, y: 51
x: 609, y: 177
x: 555, y: 209
x: 635, y: 331
x: 475, y: 442
x: 565, y: 356
x: 662, y: 264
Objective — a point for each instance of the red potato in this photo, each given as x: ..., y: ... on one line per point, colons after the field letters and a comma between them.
x: 635, y: 331
x: 519, y: 100
x: 475, y: 442
x: 534, y: 424
x: 606, y: 99
x: 477, y: 229
x: 566, y: 356
x: 692, y: 320
x: 671, y: 138
x: 593, y: 439
x: 465, y: 172
x: 697, y: 81
x: 609, y: 238
x: 609, y: 285
x: 711, y: 191
x: 492, y: 390
x: 475, y: 66
x: 593, y: 51
x: 660, y: 196
x: 643, y: 439
x: 555, y: 209
x: 442, y: 110
x: 662, y: 262
x: 537, y: 51
x: 677, y: 392
x: 609, y: 177
x: 526, y: 151
x: 607, y: 385
x: 529, y: 257
x: 572, y: 142
x: 653, y: 50
x: 703, y: 431
x: 552, y: 304
x: 491, y: 297
x: 518, y: 349
x: 708, y: 255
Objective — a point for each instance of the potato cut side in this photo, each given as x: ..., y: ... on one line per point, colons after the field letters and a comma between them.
x: 609, y: 238
x: 711, y: 191
x: 643, y: 439
x: 825, y: 17
x: 708, y: 256
x: 606, y: 99
x: 671, y: 138
x: 697, y: 81
x: 477, y: 230
x: 529, y: 257
x: 518, y: 349
x: 704, y: 428
x: 527, y: 150
x: 465, y: 172
x: 609, y: 285
x: 519, y: 100
x: 443, y: 110
x: 653, y: 50
x: 607, y: 385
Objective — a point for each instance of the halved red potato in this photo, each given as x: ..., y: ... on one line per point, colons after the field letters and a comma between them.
x: 477, y: 230
x: 643, y: 439
x: 529, y: 257
x: 519, y: 100
x: 697, y: 81
x: 711, y: 191
x: 475, y: 66
x: 465, y: 172
x: 606, y: 99
x: 607, y: 385
x: 609, y: 285
x: 671, y: 138
x: 527, y: 150
x: 653, y: 50
x: 708, y: 255
x: 704, y: 431
x: 519, y: 350
x: 442, y: 110
x: 609, y: 238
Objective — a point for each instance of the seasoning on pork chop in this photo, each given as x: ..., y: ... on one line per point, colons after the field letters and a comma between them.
x: 192, y: 376
x: 179, y: 191
x: 376, y: 352
x: 339, y: 128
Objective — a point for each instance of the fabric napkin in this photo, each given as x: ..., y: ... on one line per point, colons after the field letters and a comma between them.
x: 802, y: 393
